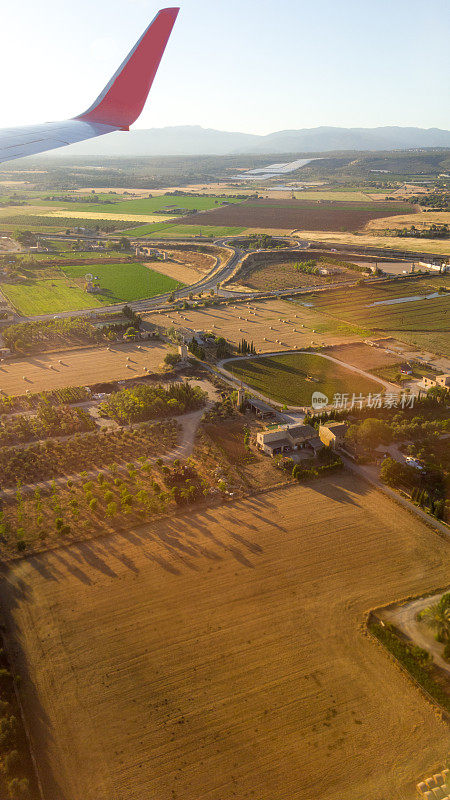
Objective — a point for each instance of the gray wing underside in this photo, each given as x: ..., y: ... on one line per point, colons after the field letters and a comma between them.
x: 32, y: 139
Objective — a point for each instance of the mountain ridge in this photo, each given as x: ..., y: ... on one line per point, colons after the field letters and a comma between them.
x: 185, y: 140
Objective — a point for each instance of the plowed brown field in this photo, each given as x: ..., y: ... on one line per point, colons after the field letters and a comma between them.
x: 221, y: 654
x: 312, y: 215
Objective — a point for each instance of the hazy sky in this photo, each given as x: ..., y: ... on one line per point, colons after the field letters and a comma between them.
x: 248, y: 65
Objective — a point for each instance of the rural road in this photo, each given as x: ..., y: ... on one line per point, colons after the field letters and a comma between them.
x: 404, y: 617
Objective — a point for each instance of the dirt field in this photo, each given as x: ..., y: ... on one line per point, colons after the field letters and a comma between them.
x: 362, y: 356
x: 283, y: 275
x: 80, y: 367
x: 187, y: 266
x: 225, y: 321
x: 220, y: 655
x: 293, y: 214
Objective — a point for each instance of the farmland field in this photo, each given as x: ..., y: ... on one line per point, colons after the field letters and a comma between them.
x: 80, y: 366
x: 305, y: 214
x: 119, y: 282
x: 172, y: 230
x: 250, y: 677
x: 144, y: 206
x: 293, y: 324
x: 268, y: 276
x: 39, y: 296
x: 410, y: 245
x: 424, y: 323
x: 285, y: 377
x: 130, y: 281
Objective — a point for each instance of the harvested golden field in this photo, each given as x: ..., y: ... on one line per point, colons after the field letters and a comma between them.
x: 262, y: 325
x: 221, y: 654
x: 80, y: 367
x: 438, y: 246
x: 422, y: 219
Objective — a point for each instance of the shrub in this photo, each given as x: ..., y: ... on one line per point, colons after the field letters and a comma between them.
x: 111, y: 509
x: 12, y: 763
x: 19, y: 789
x: 93, y: 504
x: 447, y: 651
x: 8, y: 732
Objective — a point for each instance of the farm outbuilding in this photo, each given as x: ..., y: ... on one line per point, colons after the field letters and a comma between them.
x: 332, y: 435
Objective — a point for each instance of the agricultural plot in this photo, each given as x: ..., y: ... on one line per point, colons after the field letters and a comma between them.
x: 312, y: 215
x: 293, y: 377
x: 421, y: 219
x: 172, y: 231
x: 410, y: 245
x: 250, y: 676
x: 40, y: 296
x: 284, y: 275
x: 129, y: 281
x: 81, y: 366
x: 272, y: 325
x: 143, y: 206
x: 421, y: 322
x: 65, y: 292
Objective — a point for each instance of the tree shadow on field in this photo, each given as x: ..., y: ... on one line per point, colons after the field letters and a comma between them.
x: 72, y: 568
x: 14, y: 594
x: 334, y: 487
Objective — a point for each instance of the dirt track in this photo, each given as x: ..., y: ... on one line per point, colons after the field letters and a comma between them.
x: 84, y: 366
x: 220, y: 655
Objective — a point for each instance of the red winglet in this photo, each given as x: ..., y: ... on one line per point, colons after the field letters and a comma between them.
x: 123, y: 98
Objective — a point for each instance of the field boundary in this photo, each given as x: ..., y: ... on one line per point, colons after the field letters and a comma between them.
x: 373, y: 619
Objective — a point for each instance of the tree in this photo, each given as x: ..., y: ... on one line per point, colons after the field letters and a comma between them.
x: 437, y: 616
x: 370, y: 433
x: 171, y: 359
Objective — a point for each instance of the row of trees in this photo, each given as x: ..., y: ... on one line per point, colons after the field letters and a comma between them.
x: 53, y: 458
x: 49, y: 421
x: 245, y: 347
x: 56, y: 397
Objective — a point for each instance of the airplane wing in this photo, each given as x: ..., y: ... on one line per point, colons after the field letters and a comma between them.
x: 117, y: 106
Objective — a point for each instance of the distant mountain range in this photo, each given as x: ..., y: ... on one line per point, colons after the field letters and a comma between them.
x: 194, y: 140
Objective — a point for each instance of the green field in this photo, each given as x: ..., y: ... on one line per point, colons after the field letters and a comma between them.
x: 284, y: 377
x: 138, y: 206
x: 129, y: 281
x: 422, y: 323
x: 47, y: 296
x: 119, y: 282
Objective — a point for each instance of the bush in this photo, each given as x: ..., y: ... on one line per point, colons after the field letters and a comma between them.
x: 93, y: 504
x: 8, y: 732
x: 19, y: 789
x: 447, y: 651
x: 12, y: 763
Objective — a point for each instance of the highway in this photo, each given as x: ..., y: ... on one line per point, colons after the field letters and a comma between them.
x: 220, y: 273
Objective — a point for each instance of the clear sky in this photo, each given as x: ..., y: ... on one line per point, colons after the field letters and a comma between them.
x: 245, y: 65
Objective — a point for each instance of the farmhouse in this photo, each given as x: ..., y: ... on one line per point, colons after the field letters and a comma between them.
x: 332, y: 434
x: 285, y: 438
x: 442, y: 381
